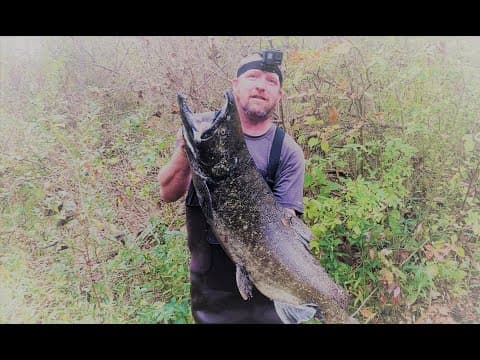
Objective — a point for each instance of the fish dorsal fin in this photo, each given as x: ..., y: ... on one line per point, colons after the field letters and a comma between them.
x: 295, y: 314
x: 244, y: 283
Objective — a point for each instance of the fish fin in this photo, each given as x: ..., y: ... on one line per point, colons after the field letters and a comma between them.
x: 295, y: 314
x: 319, y: 315
x: 204, y: 198
x: 301, y: 229
x: 244, y: 283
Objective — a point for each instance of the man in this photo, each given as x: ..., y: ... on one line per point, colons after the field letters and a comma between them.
x: 214, y: 295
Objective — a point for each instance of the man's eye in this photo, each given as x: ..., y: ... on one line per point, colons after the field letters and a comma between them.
x: 272, y: 81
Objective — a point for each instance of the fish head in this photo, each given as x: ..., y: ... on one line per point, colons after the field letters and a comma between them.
x: 212, y: 143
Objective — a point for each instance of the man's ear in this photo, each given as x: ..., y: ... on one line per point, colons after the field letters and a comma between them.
x: 234, y: 85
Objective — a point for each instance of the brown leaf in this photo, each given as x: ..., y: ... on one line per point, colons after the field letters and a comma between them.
x: 152, y: 123
x: 367, y: 313
x: 442, y: 252
x: 332, y: 115
x: 428, y: 252
x: 343, y: 85
x: 380, y: 116
x: 404, y: 254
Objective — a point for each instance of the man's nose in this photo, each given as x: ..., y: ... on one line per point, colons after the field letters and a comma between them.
x: 260, y: 83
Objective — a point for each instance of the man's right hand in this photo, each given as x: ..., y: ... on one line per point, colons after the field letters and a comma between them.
x: 174, y: 178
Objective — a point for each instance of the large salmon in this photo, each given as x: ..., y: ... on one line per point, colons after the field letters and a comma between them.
x: 268, y: 245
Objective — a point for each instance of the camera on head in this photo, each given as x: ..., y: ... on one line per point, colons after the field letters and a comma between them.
x: 272, y: 57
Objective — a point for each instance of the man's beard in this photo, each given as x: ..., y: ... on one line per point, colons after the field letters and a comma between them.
x: 257, y: 116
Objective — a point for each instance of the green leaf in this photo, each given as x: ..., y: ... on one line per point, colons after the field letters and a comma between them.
x: 324, y: 146
x: 356, y: 230
x: 312, y: 142
x: 312, y: 120
x: 459, y: 250
x: 308, y: 180
x: 394, y: 221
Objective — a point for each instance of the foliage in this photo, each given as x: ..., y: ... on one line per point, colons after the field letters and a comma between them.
x: 157, y: 290
x: 353, y: 219
x: 389, y: 127
x: 385, y: 195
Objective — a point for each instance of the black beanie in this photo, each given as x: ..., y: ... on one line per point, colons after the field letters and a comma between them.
x: 255, y: 61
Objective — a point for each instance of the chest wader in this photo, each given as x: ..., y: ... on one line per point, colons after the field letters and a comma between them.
x: 215, y: 298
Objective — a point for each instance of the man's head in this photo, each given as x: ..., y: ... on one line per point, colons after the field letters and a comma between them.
x: 258, y: 85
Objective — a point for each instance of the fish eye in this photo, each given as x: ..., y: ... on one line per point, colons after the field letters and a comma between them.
x: 223, y: 131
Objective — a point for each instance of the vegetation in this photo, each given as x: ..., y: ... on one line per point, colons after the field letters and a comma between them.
x: 389, y: 128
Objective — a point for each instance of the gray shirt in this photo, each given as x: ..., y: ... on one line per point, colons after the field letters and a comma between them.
x: 288, y: 188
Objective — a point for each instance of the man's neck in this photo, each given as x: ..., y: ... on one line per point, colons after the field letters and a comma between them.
x: 254, y: 128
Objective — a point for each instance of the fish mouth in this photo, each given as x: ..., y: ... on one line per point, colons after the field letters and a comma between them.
x: 197, y: 128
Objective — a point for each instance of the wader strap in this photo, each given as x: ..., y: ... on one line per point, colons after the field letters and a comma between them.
x: 274, y: 156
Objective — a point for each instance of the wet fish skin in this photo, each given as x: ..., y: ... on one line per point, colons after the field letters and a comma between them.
x: 267, y: 243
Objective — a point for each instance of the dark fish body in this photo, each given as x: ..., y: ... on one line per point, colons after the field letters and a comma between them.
x: 267, y: 243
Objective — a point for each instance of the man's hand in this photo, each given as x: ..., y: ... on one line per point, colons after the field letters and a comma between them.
x: 174, y: 178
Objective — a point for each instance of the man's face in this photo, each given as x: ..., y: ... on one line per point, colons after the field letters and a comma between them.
x: 257, y: 92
